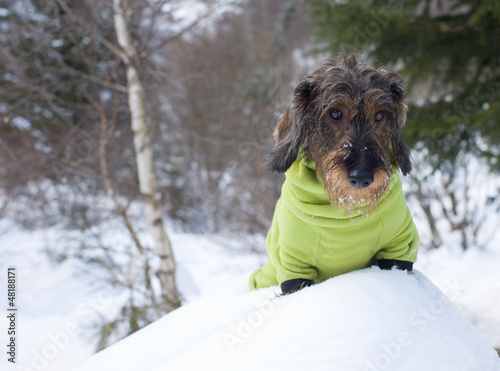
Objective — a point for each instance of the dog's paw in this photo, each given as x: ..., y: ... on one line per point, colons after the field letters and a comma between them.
x: 399, y: 264
x: 291, y: 286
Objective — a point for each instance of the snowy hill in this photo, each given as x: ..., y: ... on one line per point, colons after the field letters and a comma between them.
x: 364, y: 320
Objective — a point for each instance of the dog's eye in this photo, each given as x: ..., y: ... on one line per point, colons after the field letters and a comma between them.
x: 379, y: 116
x: 336, y: 114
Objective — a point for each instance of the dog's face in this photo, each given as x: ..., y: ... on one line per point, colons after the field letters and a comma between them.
x: 347, y: 118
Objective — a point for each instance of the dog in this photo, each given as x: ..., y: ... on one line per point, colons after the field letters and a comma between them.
x: 342, y: 208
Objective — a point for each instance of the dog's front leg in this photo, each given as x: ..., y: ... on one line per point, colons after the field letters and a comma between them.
x: 291, y: 286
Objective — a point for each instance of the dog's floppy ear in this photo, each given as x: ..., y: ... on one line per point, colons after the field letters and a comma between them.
x: 289, y: 132
x: 401, y: 152
x: 399, y: 147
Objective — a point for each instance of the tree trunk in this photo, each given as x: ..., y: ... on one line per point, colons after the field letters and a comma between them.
x: 144, y: 159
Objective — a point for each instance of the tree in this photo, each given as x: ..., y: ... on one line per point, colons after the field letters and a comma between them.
x: 448, y: 52
x: 50, y: 131
x: 144, y: 157
x: 67, y: 76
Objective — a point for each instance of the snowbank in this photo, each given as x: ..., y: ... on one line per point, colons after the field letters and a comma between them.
x: 364, y: 320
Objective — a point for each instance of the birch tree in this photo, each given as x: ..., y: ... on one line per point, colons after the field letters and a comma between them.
x: 68, y: 69
x: 144, y: 158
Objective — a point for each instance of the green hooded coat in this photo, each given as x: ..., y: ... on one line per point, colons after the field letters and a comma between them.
x: 311, y: 239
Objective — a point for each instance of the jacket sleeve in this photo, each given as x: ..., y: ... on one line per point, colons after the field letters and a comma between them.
x: 289, y: 267
x: 403, y: 247
x: 293, y: 248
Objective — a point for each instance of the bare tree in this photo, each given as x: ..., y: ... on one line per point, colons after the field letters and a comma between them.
x: 144, y: 157
x: 463, y: 201
x: 67, y: 75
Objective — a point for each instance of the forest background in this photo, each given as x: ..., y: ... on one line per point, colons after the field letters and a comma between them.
x: 213, y: 78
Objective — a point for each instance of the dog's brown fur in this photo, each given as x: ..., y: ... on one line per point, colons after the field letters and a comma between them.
x: 347, y: 118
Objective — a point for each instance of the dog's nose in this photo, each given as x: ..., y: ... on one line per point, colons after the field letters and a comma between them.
x: 360, y: 178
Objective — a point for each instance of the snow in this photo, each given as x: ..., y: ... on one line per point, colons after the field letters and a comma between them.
x: 4, y: 12
x: 478, y: 277
x: 359, y: 315
x: 61, y: 303
x: 364, y: 320
x: 53, y: 301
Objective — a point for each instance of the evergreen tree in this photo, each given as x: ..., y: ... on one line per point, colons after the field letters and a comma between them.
x: 449, y: 52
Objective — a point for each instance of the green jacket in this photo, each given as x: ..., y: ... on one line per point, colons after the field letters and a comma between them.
x: 311, y: 239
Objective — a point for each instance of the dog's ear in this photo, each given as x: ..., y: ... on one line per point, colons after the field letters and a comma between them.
x: 400, y: 149
x: 289, y: 132
x: 401, y: 152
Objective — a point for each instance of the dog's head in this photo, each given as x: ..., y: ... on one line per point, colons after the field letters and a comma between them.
x: 347, y: 118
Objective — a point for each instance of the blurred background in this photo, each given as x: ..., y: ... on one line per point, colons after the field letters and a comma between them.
x: 212, y: 78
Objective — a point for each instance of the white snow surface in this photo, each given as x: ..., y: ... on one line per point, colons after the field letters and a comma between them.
x: 60, y: 304
x: 364, y: 320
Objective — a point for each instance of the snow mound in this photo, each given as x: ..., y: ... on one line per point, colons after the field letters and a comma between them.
x: 365, y: 320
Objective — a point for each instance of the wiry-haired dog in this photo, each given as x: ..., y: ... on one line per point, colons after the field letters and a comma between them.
x: 342, y: 207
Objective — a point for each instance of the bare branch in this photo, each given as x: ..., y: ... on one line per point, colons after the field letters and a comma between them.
x: 83, y: 22
x: 178, y: 35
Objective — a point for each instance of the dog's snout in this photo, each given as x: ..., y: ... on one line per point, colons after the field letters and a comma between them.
x: 360, y: 178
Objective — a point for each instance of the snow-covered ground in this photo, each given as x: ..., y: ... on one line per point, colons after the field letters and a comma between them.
x: 59, y: 303
x: 365, y: 320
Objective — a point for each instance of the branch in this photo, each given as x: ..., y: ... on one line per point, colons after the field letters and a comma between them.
x: 98, y: 80
x: 178, y: 35
x: 83, y: 22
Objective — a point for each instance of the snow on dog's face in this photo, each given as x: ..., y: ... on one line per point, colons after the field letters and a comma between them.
x: 347, y: 118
